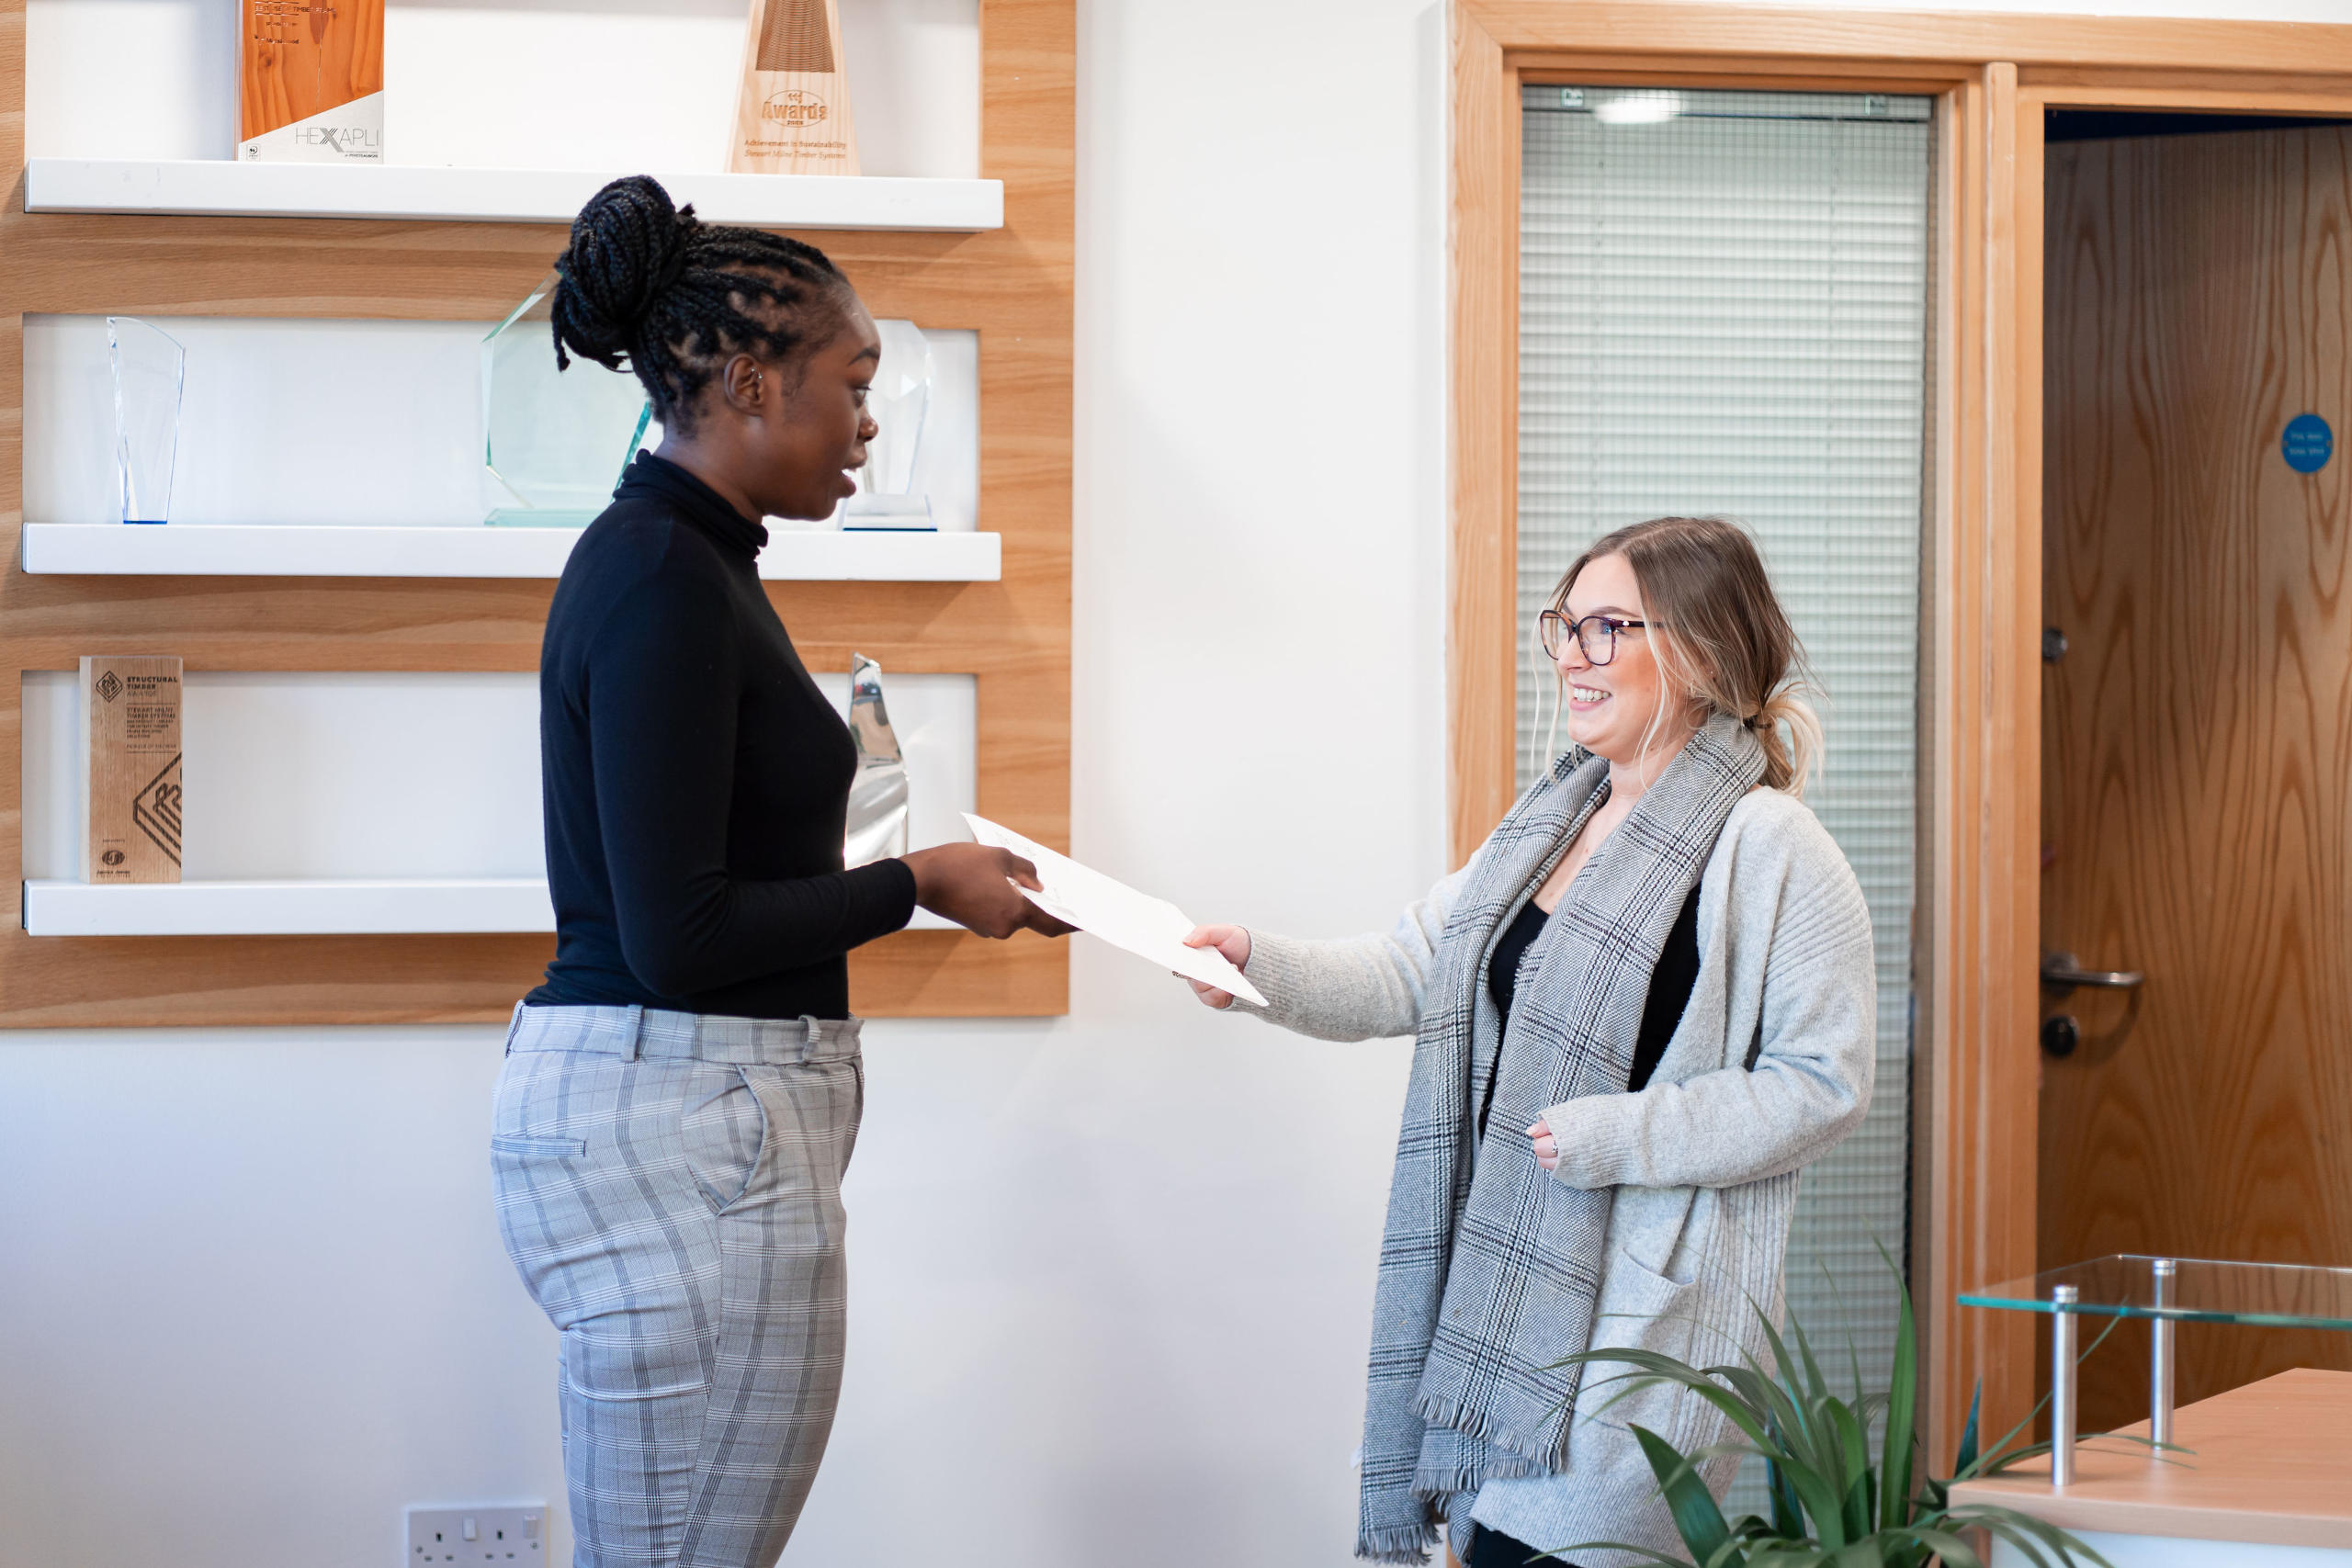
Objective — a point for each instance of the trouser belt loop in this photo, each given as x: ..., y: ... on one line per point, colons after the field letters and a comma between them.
x: 636, y: 1033
x: 513, y: 1024
x: 809, y: 1029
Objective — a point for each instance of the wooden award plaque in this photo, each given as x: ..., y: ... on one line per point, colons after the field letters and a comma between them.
x: 130, y: 732
x: 792, y: 117
x: 310, y: 81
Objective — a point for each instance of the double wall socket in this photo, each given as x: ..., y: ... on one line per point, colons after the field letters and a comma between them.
x: 516, y: 1534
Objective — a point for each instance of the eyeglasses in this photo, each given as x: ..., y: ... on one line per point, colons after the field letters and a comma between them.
x: 1597, y: 635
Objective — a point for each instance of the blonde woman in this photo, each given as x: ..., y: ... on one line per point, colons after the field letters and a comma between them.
x: 1642, y: 1008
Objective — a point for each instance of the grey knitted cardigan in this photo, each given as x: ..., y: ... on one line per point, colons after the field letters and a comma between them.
x: 1703, y: 1161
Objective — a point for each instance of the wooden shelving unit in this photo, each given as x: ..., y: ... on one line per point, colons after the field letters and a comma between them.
x: 189, y: 245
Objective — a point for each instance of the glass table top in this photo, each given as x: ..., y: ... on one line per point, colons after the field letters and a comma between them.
x: 2280, y: 1295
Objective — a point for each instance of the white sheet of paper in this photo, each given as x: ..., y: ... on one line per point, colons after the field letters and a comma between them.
x: 1148, y: 927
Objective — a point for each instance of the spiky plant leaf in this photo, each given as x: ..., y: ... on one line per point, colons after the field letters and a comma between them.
x: 1788, y: 1519
x: 1854, y: 1456
x: 1562, y: 1554
x: 1834, y: 1506
x: 1697, y: 1519
x: 1808, y: 1442
x: 1815, y: 1383
x: 1951, y: 1548
x: 2024, y: 1531
x: 1846, y: 1318
x: 1902, y: 1415
x: 1654, y: 1367
x: 1966, y: 1463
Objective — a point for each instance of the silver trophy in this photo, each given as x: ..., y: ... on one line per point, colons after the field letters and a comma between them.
x: 877, y: 795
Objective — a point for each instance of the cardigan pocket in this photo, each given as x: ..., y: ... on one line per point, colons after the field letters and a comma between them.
x: 1643, y: 1306
x: 1640, y: 1310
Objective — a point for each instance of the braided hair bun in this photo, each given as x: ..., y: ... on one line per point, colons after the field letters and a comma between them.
x: 647, y: 282
x: 628, y: 244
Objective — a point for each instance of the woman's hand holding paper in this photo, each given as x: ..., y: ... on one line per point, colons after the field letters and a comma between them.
x: 1231, y: 940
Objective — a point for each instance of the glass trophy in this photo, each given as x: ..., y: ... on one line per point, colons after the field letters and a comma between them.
x: 887, y: 496
x: 555, y: 442
x: 149, y: 367
x: 877, y: 794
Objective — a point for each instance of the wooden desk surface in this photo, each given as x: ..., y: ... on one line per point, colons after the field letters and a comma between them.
x: 2273, y: 1464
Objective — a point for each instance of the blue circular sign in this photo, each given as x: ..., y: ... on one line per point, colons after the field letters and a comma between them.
x: 2308, y: 444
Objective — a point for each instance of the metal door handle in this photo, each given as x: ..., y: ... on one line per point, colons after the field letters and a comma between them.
x: 2060, y: 973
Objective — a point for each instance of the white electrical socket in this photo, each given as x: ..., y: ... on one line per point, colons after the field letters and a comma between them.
x: 516, y: 1533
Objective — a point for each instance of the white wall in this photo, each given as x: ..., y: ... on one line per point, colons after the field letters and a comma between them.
x: 1112, y: 1272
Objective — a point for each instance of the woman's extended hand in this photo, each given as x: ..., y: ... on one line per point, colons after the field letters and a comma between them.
x: 1547, y: 1148
x: 972, y: 884
x: 1231, y: 941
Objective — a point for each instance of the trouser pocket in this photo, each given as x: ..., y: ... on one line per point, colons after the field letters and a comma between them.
x: 723, y: 1132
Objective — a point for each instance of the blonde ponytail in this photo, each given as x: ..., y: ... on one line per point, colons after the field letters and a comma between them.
x: 1795, y: 761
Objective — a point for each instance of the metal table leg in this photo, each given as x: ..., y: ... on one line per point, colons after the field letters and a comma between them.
x: 2062, y: 1321
x: 2160, y: 1333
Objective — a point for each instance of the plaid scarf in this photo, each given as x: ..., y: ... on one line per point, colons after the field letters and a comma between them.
x: 1489, y: 1268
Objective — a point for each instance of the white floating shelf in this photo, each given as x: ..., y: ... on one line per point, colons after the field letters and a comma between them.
x: 223, y: 188
x: 205, y: 549
x: 371, y: 908
x: 278, y: 908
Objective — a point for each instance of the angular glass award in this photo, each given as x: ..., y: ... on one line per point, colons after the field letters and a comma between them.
x: 555, y: 442
x: 877, y: 794
x: 149, y: 367
x: 899, y: 400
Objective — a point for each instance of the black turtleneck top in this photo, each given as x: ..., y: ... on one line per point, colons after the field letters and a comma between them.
x: 695, y: 780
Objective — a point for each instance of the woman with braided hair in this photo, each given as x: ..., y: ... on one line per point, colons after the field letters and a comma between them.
x: 680, y: 1098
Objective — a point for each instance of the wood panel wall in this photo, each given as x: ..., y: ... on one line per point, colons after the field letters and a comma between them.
x: 2198, y: 781
x: 1012, y: 285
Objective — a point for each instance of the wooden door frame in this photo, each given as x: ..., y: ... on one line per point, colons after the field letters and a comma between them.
x: 1976, y: 1070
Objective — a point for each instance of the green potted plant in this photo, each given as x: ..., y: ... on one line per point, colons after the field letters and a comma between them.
x: 1833, y: 1502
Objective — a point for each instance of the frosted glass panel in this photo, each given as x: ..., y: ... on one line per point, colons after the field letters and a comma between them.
x: 1724, y: 311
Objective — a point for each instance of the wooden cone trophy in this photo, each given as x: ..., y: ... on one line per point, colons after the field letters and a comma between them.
x: 793, y: 118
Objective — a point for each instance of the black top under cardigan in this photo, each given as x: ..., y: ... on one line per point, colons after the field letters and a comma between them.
x: 695, y: 780
x: 1670, y: 983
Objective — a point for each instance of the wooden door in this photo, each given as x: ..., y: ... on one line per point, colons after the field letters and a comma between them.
x: 2197, y: 790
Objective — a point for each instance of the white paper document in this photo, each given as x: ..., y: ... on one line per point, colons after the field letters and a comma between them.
x: 1148, y: 927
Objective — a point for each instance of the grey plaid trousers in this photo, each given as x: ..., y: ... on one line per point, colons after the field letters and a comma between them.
x: 668, y: 1188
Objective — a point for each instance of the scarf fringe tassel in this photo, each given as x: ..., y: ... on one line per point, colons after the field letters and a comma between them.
x: 1408, y: 1543
x: 1520, y: 1455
